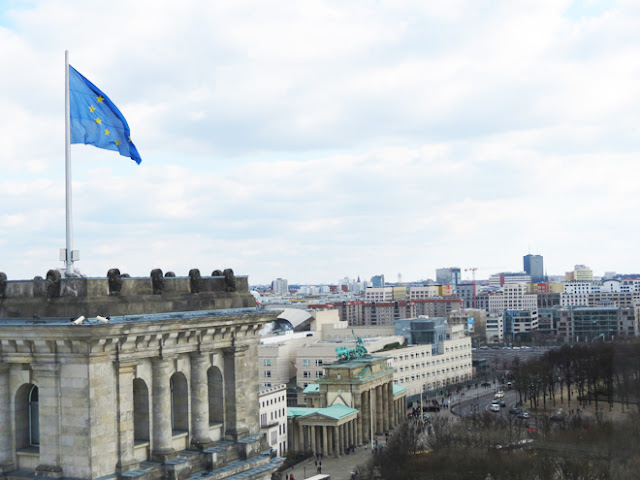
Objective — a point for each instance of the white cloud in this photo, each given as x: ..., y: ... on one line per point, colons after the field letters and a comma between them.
x: 325, y: 138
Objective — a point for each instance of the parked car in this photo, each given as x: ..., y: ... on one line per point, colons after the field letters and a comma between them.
x: 523, y: 415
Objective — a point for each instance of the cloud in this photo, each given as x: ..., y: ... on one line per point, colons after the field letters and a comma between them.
x: 319, y: 139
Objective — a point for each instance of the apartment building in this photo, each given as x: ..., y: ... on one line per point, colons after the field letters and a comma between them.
x: 273, y: 416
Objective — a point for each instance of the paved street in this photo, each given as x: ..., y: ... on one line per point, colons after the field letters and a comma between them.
x: 338, y: 468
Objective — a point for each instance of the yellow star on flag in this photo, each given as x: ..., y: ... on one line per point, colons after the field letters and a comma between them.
x: 106, y: 131
x: 117, y: 142
x: 99, y: 98
x: 98, y: 121
x: 92, y: 108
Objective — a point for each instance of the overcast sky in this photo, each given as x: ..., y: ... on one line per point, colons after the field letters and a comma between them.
x: 314, y: 140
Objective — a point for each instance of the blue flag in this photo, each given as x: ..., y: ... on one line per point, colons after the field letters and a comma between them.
x: 95, y: 120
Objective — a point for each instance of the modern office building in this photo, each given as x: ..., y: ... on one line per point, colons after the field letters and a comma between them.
x: 513, y: 297
x: 588, y: 324
x: 508, y: 278
x: 377, y: 281
x: 533, y: 266
x: 449, y: 276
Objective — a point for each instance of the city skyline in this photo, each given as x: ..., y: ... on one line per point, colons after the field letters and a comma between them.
x: 303, y: 140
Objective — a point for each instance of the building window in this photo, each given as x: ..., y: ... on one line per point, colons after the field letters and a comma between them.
x: 267, y: 373
x: 319, y: 362
x: 306, y: 363
x: 267, y: 362
x: 306, y: 374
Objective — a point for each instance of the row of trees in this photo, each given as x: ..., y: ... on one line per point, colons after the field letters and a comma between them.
x: 600, y: 372
x: 487, y: 446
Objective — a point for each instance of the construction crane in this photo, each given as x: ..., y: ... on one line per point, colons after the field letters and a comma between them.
x: 473, y: 276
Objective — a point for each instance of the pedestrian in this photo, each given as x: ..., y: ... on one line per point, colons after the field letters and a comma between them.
x: 318, y: 470
x: 316, y: 463
x: 291, y: 477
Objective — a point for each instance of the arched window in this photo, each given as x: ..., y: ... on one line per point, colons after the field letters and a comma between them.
x: 27, y: 416
x: 140, y: 411
x: 216, y: 395
x: 179, y: 403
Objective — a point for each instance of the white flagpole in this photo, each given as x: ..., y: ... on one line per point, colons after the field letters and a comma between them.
x: 67, y: 154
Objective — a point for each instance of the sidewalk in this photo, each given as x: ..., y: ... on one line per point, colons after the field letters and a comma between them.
x: 338, y: 468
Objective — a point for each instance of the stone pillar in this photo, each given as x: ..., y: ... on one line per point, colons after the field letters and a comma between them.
x: 199, y: 400
x: 299, y: 444
x: 366, y: 415
x: 161, y: 404
x: 359, y: 406
x: 324, y: 440
x: 312, y: 431
x: 48, y: 375
x: 342, y: 434
x: 126, y: 458
x: 241, y: 392
x: 386, y: 411
x: 6, y: 442
x: 336, y: 442
x: 378, y: 410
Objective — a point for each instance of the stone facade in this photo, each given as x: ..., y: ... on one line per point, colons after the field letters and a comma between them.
x: 150, y: 396
x: 355, y: 401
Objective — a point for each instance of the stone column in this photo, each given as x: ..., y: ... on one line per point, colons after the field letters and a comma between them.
x: 389, y: 403
x: 342, y: 434
x: 241, y: 392
x: 359, y: 406
x: 325, y: 440
x: 126, y: 458
x: 299, y: 444
x: 379, y: 409
x: 6, y: 442
x: 336, y: 442
x: 366, y: 412
x: 384, y: 408
x: 312, y: 431
x: 48, y: 375
x: 199, y: 400
x: 162, y: 431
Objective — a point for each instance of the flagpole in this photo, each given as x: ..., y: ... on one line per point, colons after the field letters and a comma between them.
x: 67, y: 155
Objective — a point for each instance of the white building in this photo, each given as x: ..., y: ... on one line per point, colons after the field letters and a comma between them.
x: 495, y: 327
x: 378, y: 294
x: 508, y: 278
x: 580, y: 273
x: 280, y: 286
x: 273, y: 416
x: 417, y: 369
x: 425, y: 291
x: 577, y: 293
x: 513, y: 297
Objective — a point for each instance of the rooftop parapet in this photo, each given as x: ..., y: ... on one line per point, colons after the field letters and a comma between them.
x: 119, y: 294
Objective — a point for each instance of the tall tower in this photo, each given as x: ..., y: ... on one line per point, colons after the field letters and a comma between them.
x: 533, y: 265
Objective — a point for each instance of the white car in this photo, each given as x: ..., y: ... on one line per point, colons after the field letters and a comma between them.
x: 494, y: 407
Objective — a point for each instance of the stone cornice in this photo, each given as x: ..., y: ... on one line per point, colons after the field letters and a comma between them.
x: 134, y: 340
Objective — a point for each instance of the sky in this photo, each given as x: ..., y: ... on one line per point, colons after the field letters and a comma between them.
x: 321, y: 139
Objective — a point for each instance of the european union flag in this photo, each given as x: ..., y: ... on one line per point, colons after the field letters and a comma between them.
x: 95, y: 120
